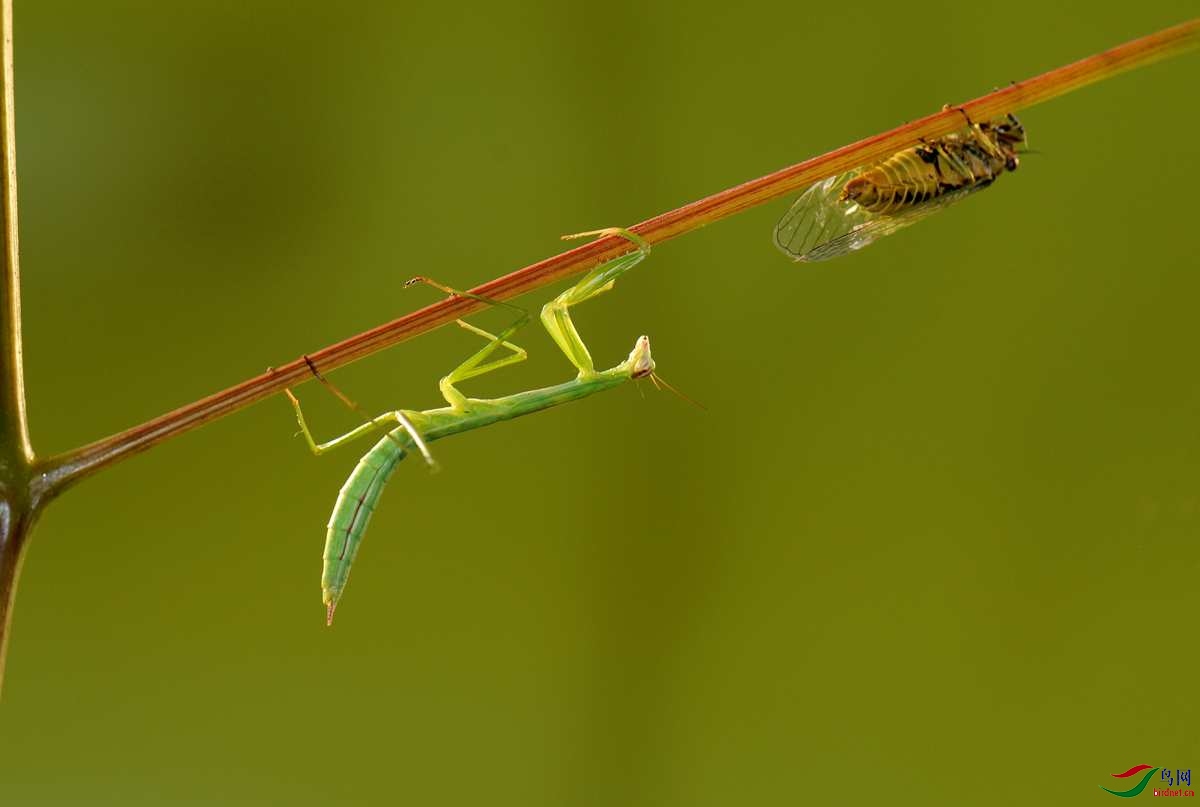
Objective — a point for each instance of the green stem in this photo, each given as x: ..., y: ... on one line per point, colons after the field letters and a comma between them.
x: 16, y: 524
x: 19, y: 504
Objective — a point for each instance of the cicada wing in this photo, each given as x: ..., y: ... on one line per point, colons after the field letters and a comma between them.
x: 825, y: 236
x: 817, y: 218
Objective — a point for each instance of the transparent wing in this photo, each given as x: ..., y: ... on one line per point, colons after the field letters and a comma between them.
x: 817, y: 218
x: 818, y: 227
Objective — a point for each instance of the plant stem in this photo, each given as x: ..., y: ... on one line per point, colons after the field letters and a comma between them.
x: 65, y: 469
x: 19, y: 505
x: 16, y: 524
x: 15, y: 449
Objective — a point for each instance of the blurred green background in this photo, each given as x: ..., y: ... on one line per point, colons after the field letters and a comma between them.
x: 933, y: 540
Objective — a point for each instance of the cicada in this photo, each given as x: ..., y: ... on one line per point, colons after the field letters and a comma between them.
x: 848, y: 211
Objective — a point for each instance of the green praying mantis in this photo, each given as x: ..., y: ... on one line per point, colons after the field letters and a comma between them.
x: 409, y: 430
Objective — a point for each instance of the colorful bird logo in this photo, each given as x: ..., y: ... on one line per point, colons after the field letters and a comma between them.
x: 1139, y: 787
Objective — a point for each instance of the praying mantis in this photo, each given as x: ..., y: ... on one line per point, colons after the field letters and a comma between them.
x: 408, y: 430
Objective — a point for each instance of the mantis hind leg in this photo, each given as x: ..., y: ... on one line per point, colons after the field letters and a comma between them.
x: 369, y: 425
x: 349, y: 437
x: 478, y: 364
x: 556, y: 316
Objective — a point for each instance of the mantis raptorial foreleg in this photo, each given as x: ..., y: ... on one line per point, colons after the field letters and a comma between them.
x: 555, y: 314
x: 555, y: 317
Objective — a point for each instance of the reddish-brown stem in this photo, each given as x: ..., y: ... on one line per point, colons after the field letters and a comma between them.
x: 62, y: 470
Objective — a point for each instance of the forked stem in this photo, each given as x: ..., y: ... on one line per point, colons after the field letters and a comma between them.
x: 26, y: 483
x: 20, y: 499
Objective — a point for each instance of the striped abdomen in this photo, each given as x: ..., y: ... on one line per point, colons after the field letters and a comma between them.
x: 352, y: 511
x: 920, y: 174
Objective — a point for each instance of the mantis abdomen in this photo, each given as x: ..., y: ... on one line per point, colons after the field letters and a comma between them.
x: 352, y: 512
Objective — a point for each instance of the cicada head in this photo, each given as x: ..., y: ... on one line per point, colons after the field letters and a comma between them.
x: 1010, y: 136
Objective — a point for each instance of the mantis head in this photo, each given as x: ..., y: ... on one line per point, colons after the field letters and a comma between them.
x: 641, y: 363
